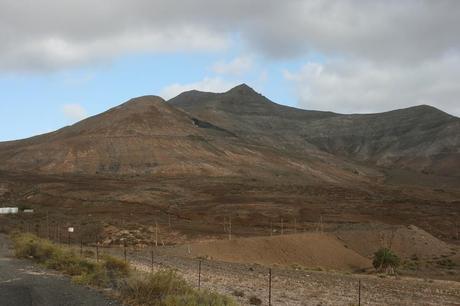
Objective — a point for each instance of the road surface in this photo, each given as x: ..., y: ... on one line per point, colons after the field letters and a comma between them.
x: 24, y: 284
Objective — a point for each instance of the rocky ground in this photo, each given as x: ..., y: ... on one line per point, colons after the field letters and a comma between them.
x: 296, y: 286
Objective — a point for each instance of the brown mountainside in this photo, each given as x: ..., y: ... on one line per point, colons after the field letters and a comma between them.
x: 147, y: 136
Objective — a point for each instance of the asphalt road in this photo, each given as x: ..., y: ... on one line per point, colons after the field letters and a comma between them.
x: 24, y: 284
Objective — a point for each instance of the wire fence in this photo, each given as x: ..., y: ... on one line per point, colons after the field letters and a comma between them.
x: 272, y: 285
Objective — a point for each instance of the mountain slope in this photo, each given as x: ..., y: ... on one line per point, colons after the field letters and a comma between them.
x: 420, y: 138
x: 147, y: 136
x: 144, y: 135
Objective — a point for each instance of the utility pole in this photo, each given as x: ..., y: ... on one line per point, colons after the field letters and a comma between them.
x: 282, y: 227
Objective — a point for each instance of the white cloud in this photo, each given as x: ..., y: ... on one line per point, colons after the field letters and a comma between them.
x: 237, y: 66
x: 207, y: 84
x: 362, y: 86
x: 74, y: 112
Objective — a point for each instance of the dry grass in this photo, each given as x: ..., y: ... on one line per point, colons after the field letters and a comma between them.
x: 164, y: 288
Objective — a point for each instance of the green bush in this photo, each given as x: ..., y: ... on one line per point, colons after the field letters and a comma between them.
x: 166, y: 288
x: 385, y: 260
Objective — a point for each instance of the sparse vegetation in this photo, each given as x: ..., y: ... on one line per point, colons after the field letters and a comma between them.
x: 446, y: 262
x: 254, y: 300
x: 164, y: 288
x: 83, y: 271
x: 385, y: 260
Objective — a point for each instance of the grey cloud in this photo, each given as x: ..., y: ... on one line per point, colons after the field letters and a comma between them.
x: 393, y: 31
x: 360, y: 86
x: 387, y: 54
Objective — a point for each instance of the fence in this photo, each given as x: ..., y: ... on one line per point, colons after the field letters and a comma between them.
x: 273, y: 286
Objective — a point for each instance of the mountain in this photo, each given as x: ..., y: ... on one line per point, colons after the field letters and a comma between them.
x: 203, y: 157
x: 147, y: 136
x: 420, y: 138
x: 242, y: 133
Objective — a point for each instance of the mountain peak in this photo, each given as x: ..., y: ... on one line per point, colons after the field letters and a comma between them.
x: 142, y: 102
x: 242, y: 89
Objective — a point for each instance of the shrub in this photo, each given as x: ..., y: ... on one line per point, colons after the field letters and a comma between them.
x: 116, y: 265
x: 97, y: 277
x: 385, y: 260
x: 30, y: 246
x: 254, y: 300
x: 166, y: 288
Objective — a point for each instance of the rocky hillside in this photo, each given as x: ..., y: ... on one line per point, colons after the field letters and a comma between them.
x: 147, y: 136
x: 420, y: 138
x: 242, y: 133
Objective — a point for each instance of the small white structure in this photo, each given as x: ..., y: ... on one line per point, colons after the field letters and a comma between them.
x: 8, y: 210
x: 70, y: 229
x: 28, y: 211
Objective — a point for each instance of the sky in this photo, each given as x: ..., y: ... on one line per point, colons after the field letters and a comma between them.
x: 62, y: 61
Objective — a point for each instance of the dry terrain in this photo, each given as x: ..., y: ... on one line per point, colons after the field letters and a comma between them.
x: 186, y: 174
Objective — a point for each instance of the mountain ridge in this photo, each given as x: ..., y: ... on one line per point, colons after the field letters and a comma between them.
x: 228, y: 133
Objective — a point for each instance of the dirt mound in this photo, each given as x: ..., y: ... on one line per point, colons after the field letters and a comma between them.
x: 406, y: 241
x: 307, y: 250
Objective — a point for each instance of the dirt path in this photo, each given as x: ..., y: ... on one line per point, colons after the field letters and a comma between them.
x: 25, y: 284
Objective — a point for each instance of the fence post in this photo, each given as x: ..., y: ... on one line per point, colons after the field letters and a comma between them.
x: 124, y: 249
x: 230, y: 228
x: 199, y: 274
x: 269, y: 286
x: 359, y: 292
x: 59, y: 233
x: 151, y: 260
x: 97, y: 252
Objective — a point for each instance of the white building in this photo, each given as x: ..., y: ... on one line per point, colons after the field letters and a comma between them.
x: 8, y: 210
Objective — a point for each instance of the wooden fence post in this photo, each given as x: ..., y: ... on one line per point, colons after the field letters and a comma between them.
x: 230, y: 228
x: 269, y: 286
x: 359, y: 293
x: 199, y: 274
x: 151, y: 260
x: 124, y: 249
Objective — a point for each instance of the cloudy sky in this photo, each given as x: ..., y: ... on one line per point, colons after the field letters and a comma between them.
x: 61, y: 61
